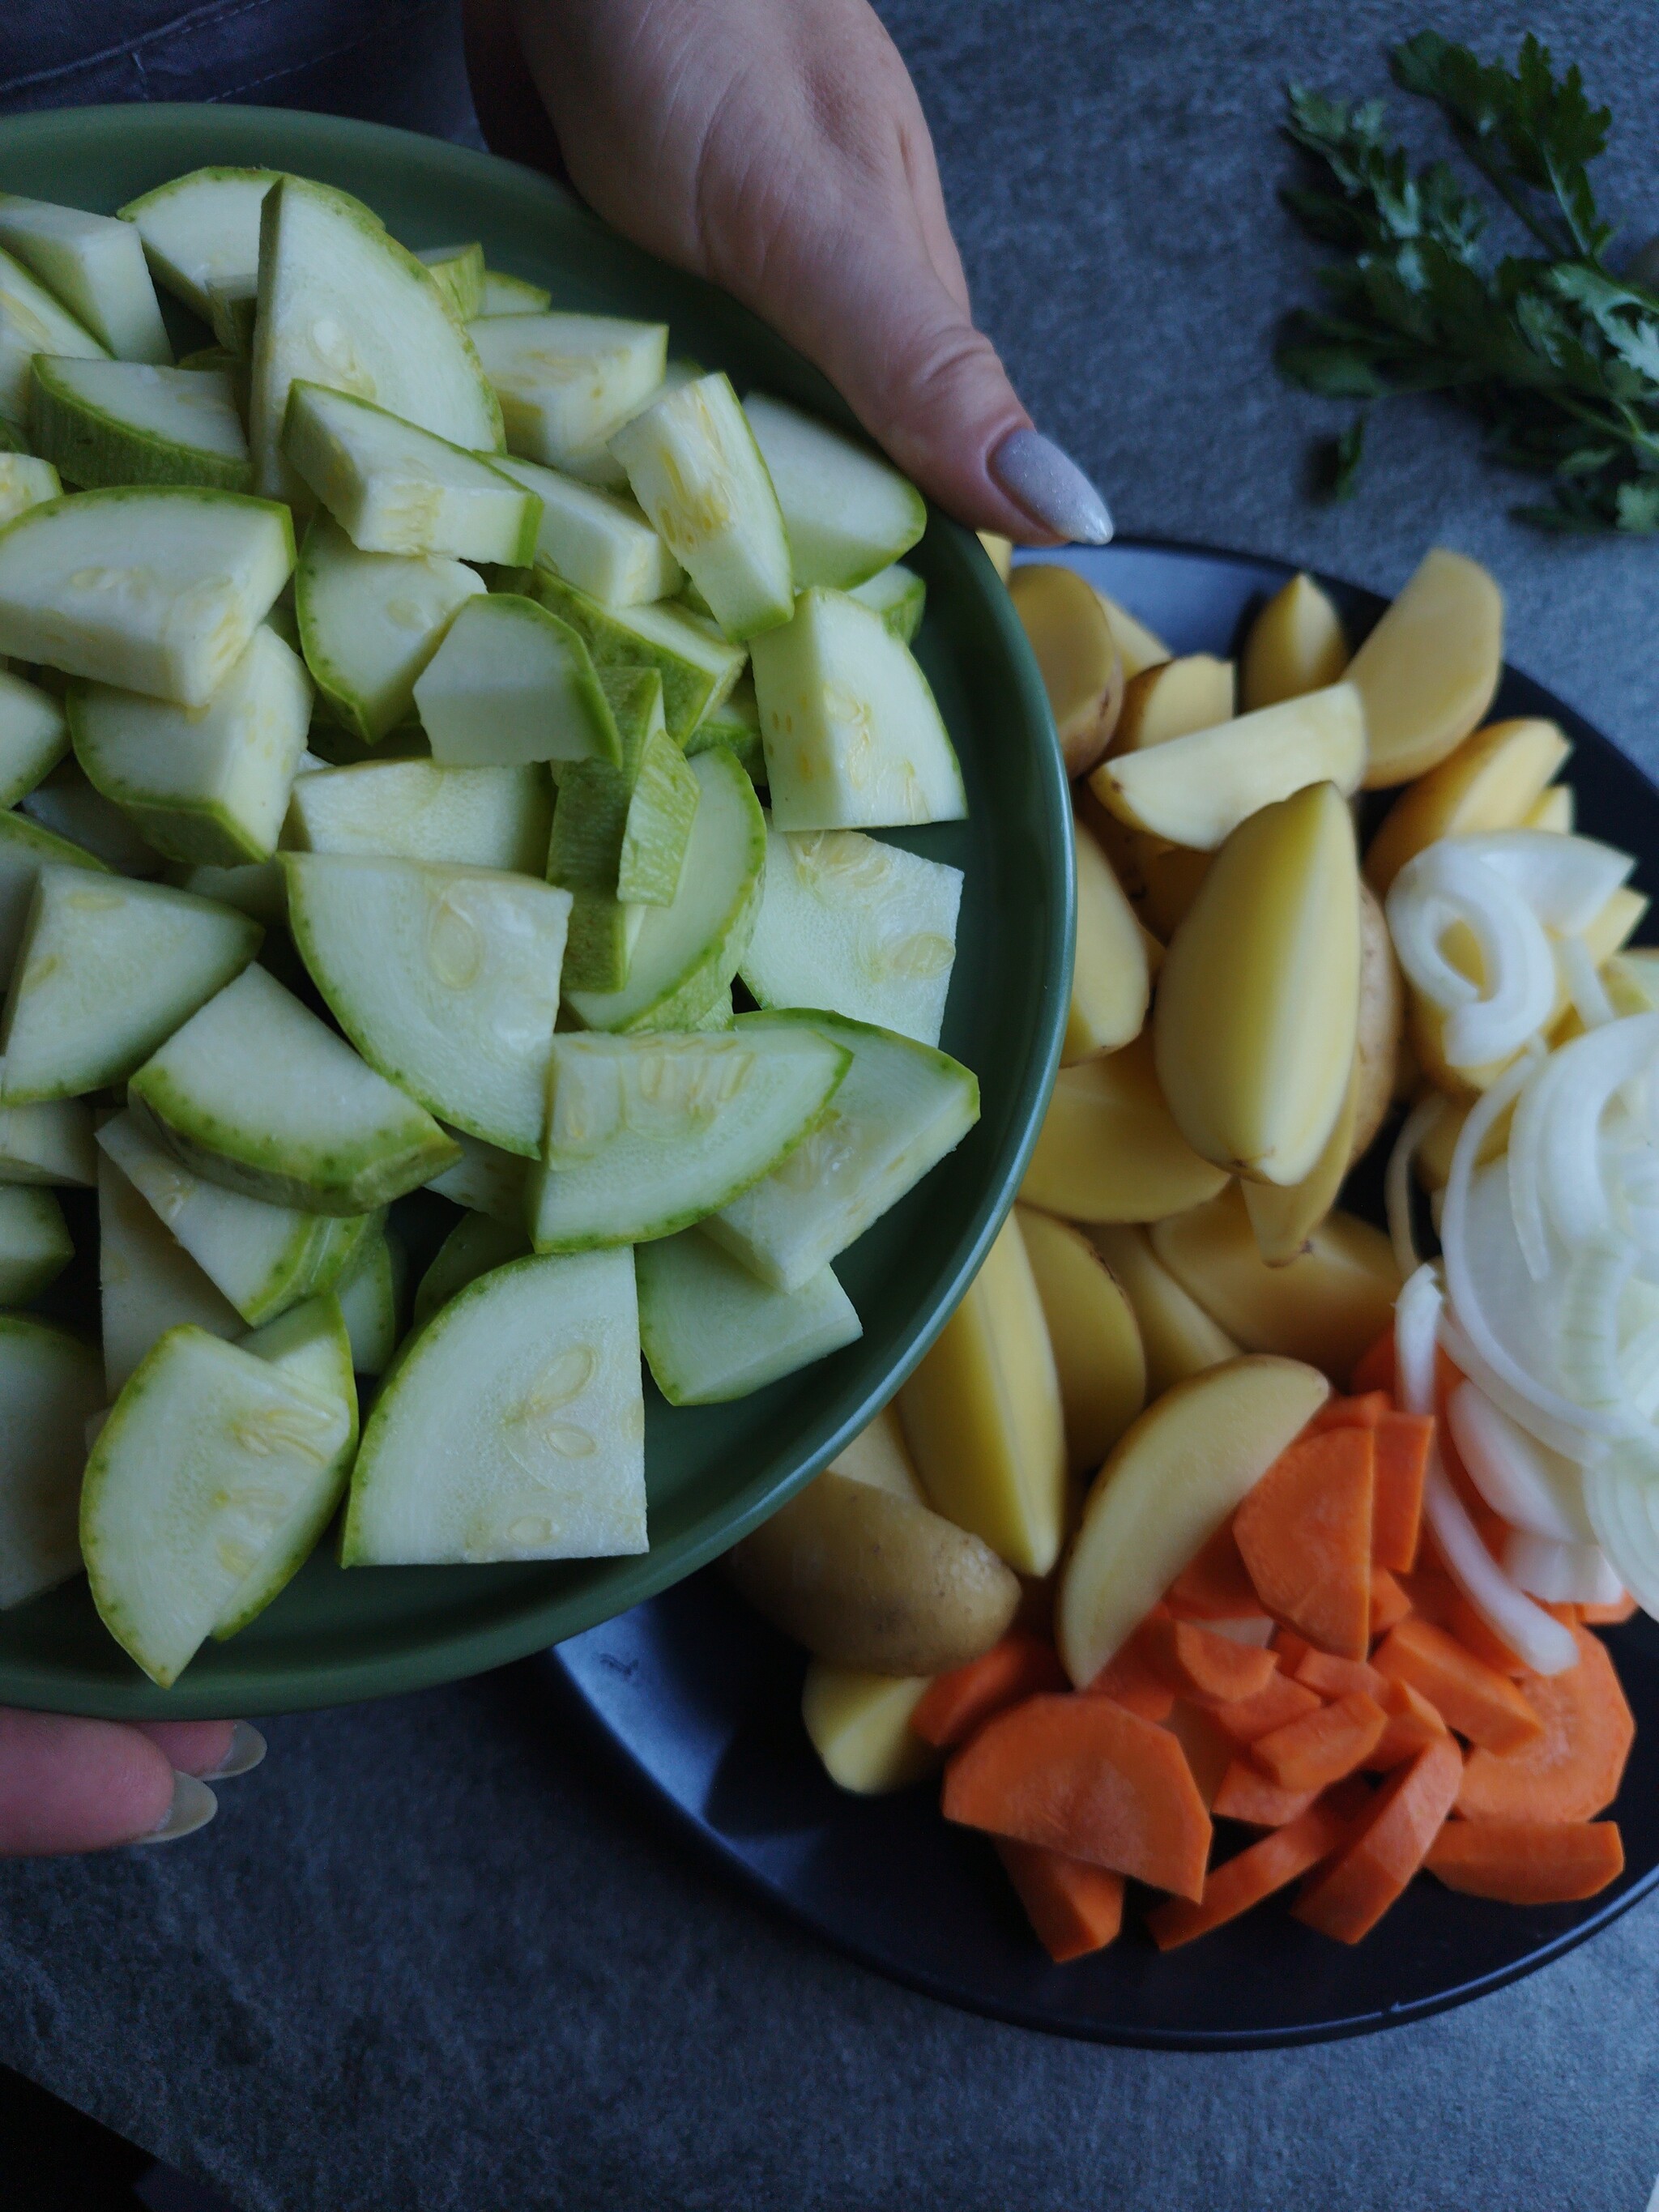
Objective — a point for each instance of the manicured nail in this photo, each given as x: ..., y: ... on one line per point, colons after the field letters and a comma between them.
x: 1051, y: 488
x: 193, y: 1806
x: 247, y: 1748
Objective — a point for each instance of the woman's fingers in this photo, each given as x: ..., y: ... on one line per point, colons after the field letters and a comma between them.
x: 81, y: 1786
x: 217, y: 1751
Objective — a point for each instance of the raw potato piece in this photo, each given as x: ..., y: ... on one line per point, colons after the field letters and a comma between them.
x: 1493, y: 782
x: 263, y: 1097
x: 868, y: 1580
x: 95, y: 267
x: 413, y: 810
x: 202, y: 229
x: 601, y: 544
x: 1096, y: 1340
x: 697, y: 666
x: 49, y: 1142
x: 566, y: 382
x: 34, y: 1243
x: 1284, y: 1216
x: 860, y: 1727
x: 34, y: 737
x: 512, y: 1427
x: 1382, y: 1019
x: 1295, y: 645
x: 120, y: 422
x: 1109, y: 1149
x: 711, y: 1331
x: 51, y: 1384
x: 1166, y: 1489
x: 1139, y: 647
x: 983, y: 1418
x: 1173, y: 698
x: 1111, y: 976
x: 32, y: 323
x: 1177, y: 1336
x: 1076, y: 654
x: 856, y: 926
x: 847, y: 511
x: 512, y: 684
x: 148, y: 1283
x: 1427, y: 672
x: 879, y: 1456
x: 369, y: 623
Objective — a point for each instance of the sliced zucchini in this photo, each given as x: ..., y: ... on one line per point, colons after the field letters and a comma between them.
x: 25, y: 481
x: 595, y: 540
x: 854, y: 737
x: 590, y: 817
x: 25, y: 849
x: 202, y: 229
x: 459, y: 273
x: 847, y: 511
x: 473, y: 1247
x: 65, y: 804
x: 51, y: 1384
x: 31, y: 323
x: 899, y: 596
x: 512, y: 1427
x: 565, y: 382
x: 148, y: 1283
x: 857, y: 927
x: 512, y: 683
x: 343, y: 304
x: 658, y: 829
x: 369, y: 1293
x: 369, y: 623
x: 49, y: 1142
x: 395, y: 489
x: 35, y: 1246
x: 34, y: 737
x: 257, y: 889
x: 695, y: 468
x: 513, y: 295
x: 208, y: 1458
x: 234, y: 302
x: 710, y: 1331
x: 645, y: 1135
x: 721, y: 1015
x: 687, y: 953
x: 900, y: 1109
x: 697, y: 666
x: 479, y: 817
x: 735, y: 724
x: 209, y: 785
x: 262, y: 1097
x: 599, y: 948
x: 485, y: 1180
x: 445, y: 979
x: 157, y: 591
x: 95, y: 266
x: 122, y: 422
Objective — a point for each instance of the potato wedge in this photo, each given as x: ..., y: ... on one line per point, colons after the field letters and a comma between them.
x: 1159, y: 880
x: 1172, y: 698
x: 1077, y: 653
x: 1137, y: 646
x: 1381, y: 1018
x: 1095, y: 1336
x: 873, y: 1582
x: 1295, y: 645
x: 879, y: 1456
x: 1111, y: 975
x: 1178, y: 1337
x: 998, y: 551
x: 1285, y: 1217
x: 860, y: 1727
x: 1428, y: 671
x: 1109, y: 1149
x: 1493, y: 782
x: 1169, y: 1485
x: 1553, y: 809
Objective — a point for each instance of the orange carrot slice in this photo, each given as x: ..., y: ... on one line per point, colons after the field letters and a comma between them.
x: 1573, y: 1766
x: 1321, y: 1748
x: 1431, y: 1592
x: 1374, y: 1368
x: 1131, y: 1679
x: 1347, y: 1898
x: 1209, y: 1752
x: 1196, y: 1662
x: 953, y: 1705
x: 1390, y: 1602
x: 1259, y: 1869
x: 1363, y: 1411
x: 1214, y: 1586
x: 1608, y: 1616
x: 1528, y: 1861
x: 1305, y: 1535
x: 1083, y: 1776
x: 1334, y: 1678
x: 1412, y: 1724
x: 1401, y: 1444
x: 1246, y: 1795
x: 1073, y: 1907
x: 1471, y: 1631
x: 1246, y: 1718
x: 1469, y: 1696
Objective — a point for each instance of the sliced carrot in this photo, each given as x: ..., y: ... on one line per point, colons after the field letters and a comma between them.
x: 1528, y: 1861
x: 1389, y: 1843
x: 1413, y: 1725
x: 1390, y: 1602
x: 1469, y: 1696
x: 1073, y: 1907
x: 1608, y: 1616
x: 1209, y: 1752
x: 1246, y: 1718
x: 953, y: 1705
x: 1260, y: 1868
x: 1363, y: 1411
x: 1402, y: 1444
x: 1321, y: 1748
x: 1573, y: 1766
x: 1472, y: 1631
x: 1431, y: 1592
x: 1086, y: 1777
x: 1196, y: 1662
x: 1305, y: 1535
x: 1334, y: 1678
x: 1290, y: 1649
x: 1374, y: 1368
x: 1214, y: 1586
x: 1246, y: 1795
x: 1131, y: 1679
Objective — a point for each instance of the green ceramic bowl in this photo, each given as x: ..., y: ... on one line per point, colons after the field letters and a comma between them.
x: 711, y: 1473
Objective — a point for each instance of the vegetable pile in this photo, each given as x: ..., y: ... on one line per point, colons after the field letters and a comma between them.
x: 1222, y: 1542
x: 427, y: 856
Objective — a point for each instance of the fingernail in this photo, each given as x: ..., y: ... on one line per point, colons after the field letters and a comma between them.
x: 1051, y: 488
x: 193, y: 1806
x: 247, y: 1748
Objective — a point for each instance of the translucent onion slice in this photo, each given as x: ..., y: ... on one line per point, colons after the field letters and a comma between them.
x: 1622, y: 1494
x: 1596, y: 1282
x: 1588, y: 1075
x: 1448, y: 883
x: 1254, y: 1629
x: 1569, y: 1439
x: 1585, y: 988
x: 1525, y: 1157
x: 1565, y: 880
x: 1561, y: 1574
x: 1414, y: 1131
x: 1532, y: 1488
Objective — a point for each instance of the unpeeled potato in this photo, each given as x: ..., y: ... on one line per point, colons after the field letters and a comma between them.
x: 1077, y: 653
x: 1381, y: 1020
x: 1171, y: 699
x: 1159, y: 880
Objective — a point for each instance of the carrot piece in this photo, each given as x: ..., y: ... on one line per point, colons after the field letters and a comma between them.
x: 1412, y: 1724
x: 1073, y: 1907
x: 1209, y: 1752
x: 1403, y: 1442
x: 1362, y: 1412
x: 1259, y: 1869
x: 1390, y: 1602
x: 1374, y: 1368
x: 1131, y: 1679
x: 1246, y: 1718
x: 1086, y: 1777
x: 1196, y: 1662
x: 1472, y: 1631
x: 1429, y: 1591
x: 1528, y: 1861
x: 1334, y: 1678
x: 1290, y: 1649
x: 1246, y: 1795
x: 1388, y: 1844
x: 953, y: 1705
x: 1469, y: 1696
x: 1305, y: 1535
x: 1321, y: 1748
x: 1214, y: 1585
x: 1573, y: 1767
x: 1608, y: 1616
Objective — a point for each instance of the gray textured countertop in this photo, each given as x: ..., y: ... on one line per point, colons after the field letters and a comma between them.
x: 430, y: 1955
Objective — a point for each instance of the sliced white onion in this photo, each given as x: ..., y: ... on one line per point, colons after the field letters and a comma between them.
x: 1525, y: 1157
x: 1533, y: 1636
x: 1565, y: 880
x: 1596, y: 1282
x: 1585, y: 988
x: 1532, y: 1487
x: 1571, y: 1441
x: 1561, y: 1574
x: 1416, y: 1331
x: 1414, y: 1131
x: 1622, y: 1495
x: 1588, y: 1075
x: 1445, y: 883
x: 1253, y: 1629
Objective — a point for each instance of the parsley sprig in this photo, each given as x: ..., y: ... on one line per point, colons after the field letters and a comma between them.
x: 1554, y: 350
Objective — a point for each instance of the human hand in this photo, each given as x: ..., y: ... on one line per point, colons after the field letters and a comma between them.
x: 81, y: 1786
x: 777, y: 147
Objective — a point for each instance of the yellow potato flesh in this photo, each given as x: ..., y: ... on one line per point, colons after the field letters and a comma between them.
x: 1258, y: 1000
x: 1493, y: 782
x: 1382, y: 1019
x: 1177, y: 1336
x: 1172, y: 698
x: 879, y: 1456
x: 1077, y: 654
x: 1109, y: 1149
x: 1325, y: 1307
x: 1159, y: 880
x: 1428, y: 671
x: 1632, y: 981
x: 1137, y: 646
x: 983, y: 1417
x: 1553, y: 810
x: 1284, y: 1219
x: 1169, y: 1485
x: 859, y: 1726
x: 1096, y: 1338
x: 1111, y: 978
x: 1295, y: 645
x: 1434, y: 1153
x: 1195, y: 790
x: 998, y: 551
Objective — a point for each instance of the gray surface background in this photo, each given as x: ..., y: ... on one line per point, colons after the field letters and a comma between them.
x: 430, y: 1955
